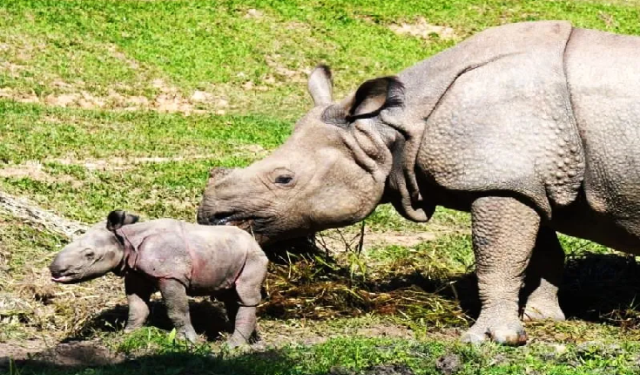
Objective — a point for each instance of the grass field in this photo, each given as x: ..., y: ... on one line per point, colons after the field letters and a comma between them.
x: 128, y: 104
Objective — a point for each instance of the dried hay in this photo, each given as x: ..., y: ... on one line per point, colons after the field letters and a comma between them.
x: 324, y: 281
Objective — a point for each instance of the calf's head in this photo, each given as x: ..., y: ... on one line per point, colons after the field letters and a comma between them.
x: 94, y: 254
x: 329, y: 173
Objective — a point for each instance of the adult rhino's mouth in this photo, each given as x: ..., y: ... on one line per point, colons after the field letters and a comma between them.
x: 229, y: 218
x: 253, y: 224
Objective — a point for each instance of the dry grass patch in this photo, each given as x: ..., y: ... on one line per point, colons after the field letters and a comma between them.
x: 252, y: 151
x: 118, y: 54
x: 313, y: 283
x: 282, y: 74
x: 123, y: 164
x: 34, y: 170
x: 424, y: 30
x: 254, y: 14
x: 404, y: 238
x: 169, y: 99
x: 35, y: 307
x: 144, y: 87
x: 19, y: 96
x: 21, y: 209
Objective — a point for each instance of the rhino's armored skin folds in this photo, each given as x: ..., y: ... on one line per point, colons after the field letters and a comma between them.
x: 532, y: 127
x: 179, y: 259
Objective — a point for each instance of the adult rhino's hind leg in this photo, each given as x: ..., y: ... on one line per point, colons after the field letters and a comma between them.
x: 504, y: 233
x: 544, y: 275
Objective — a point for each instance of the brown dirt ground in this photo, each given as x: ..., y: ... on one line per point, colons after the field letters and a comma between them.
x: 77, y: 353
x: 120, y: 163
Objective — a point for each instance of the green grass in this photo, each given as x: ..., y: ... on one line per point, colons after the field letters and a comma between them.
x: 64, y: 141
x: 360, y: 354
x: 75, y: 139
x: 31, y: 132
x: 216, y: 47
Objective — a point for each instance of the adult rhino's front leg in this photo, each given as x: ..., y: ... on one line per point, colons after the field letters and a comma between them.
x: 504, y: 234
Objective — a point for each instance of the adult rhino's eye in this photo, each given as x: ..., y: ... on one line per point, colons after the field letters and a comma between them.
x: 89, y: 254
x: 282, y: 177
x: 283, y: 180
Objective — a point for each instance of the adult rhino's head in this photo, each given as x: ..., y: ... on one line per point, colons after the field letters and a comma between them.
x: 332, y: 171
x: 93, y: 254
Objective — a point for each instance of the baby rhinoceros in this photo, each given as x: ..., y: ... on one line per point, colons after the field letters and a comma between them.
x: 178, y: 258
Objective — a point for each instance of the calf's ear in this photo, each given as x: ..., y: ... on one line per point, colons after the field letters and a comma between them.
x: 118, y: 218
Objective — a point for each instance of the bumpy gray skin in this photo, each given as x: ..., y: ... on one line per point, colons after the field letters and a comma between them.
x: 179, y: 259
x: 532, y: 127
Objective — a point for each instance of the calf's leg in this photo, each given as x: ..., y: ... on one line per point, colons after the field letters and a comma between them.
x: 504, y: 232
x: 230, y: 300
x: 138, y: 291
x: 231, y: 306
x: 175, y: 297
x: 248, y: 287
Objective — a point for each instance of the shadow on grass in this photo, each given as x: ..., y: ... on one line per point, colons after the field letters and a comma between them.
x: 602, y: 288
x: 84, y: 362
x: 280, y: 361
x: 208, y: 318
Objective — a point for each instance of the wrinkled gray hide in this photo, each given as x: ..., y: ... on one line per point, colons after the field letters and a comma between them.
x: 532, y: 127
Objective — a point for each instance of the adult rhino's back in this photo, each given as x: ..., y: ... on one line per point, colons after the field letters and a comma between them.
x: 543, y: 110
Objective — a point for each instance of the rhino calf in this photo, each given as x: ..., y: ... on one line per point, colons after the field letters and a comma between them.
x: 178, y: 258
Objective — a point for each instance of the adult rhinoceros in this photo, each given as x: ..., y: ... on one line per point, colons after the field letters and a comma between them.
x: 532, y: 127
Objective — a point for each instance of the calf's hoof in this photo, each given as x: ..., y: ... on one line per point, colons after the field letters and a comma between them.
x: 502, y: 332
x: 542, y: 311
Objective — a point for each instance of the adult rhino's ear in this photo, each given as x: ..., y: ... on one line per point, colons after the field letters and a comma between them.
x: 320, y: 85
x: 371, y: 97
x: 375, y: 95
x: 118, y: 218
